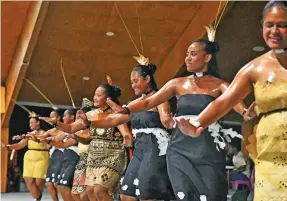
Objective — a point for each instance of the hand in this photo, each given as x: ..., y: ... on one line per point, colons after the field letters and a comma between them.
x: 167, y: 120
x: 83, y: 117
x: 187, y: 128
x: 17, y: 137
x: 49, y: 120
x: 128, y: 140
x: 250, y: 113
x: 117, y: 108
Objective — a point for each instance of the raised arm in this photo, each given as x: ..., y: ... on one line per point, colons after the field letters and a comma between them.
x: 60, y: 144
x: 161, y: 96
x: 67, y: 128
x: 111, y: 120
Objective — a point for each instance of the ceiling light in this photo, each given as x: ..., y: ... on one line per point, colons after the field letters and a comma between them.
x: 109, y: 33
x: 258, y: 48
x: 86, y: 78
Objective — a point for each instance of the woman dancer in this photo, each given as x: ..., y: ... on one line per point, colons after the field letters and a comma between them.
x: 36, y: 159
x: 196, y: 167
x: 56, y: 156
x: 106, y: 160
x: 146, y: 177
x: 70, y: 156
x: 267, y: 76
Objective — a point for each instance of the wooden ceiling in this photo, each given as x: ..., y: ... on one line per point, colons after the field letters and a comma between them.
x: 76, y: 33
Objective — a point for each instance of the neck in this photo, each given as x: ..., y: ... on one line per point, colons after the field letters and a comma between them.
x: 104, y: 108
x: 148, y: 91
x: 281, y: 56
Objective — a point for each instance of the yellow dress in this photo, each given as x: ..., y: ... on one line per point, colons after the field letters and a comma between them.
x: 36, y: 162
x: 271, y: 143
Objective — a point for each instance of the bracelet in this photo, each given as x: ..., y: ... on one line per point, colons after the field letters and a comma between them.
x: 127, y: 110
x: 195, y: 123
x: 88, y: 124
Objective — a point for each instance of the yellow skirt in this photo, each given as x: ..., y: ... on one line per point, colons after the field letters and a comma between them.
x: 36, y: 164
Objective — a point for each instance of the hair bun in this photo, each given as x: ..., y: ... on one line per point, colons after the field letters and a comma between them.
x: 117, y: 90
x: 152, y: 68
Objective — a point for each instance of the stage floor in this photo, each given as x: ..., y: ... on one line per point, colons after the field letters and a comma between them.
x: 46, y: 197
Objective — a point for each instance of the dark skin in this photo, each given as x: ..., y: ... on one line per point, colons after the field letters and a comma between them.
x: 140, y: 86
x: 97, y: 192
x: 35, y: 185
x: 269, y: 66
x: 196, y: 61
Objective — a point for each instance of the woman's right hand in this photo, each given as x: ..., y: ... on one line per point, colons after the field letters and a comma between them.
x: 117, y: 108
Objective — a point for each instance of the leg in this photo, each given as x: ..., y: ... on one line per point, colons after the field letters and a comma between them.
x: 102, y: 193
x: 90, y: 193
x: 40, y: 183
x: 53, y: 191
x: 66, y: 193
x: 76, y: 197
x: 32, y: 187
x: 84, y: 196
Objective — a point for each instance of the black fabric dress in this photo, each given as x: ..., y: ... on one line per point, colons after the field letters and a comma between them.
x: 196, y: 167
x: 55, y: 165
x: 69, y: 162
x: 146, y: 176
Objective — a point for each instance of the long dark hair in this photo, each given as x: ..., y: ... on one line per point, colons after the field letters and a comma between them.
x: 147, y: 70
x: 72, y: 112
x: 112, y: 91
x: 211, y: 48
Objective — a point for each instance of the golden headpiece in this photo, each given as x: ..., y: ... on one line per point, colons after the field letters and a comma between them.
x: 211, y: 29
x: 141, y: 59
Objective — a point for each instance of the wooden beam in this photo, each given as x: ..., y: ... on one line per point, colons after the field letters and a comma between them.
x: 4, y: 159
x: 3, y: 96
x: 27, y: 41
x: 205, y: 15
x: 21, y: 59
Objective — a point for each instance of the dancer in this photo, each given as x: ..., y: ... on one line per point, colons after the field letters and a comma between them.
x: 106, y: 160
x: 70, y: 156
x: 146, y: 176
x: 56, y: 157
x: 196, y: 167
x: 267, y: 76
x: 36, y: 159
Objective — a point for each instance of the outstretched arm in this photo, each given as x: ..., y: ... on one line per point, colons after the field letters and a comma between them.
x: 161, y: 96
x: 111, y: 120
x: 67, y: 128
x: 20, y: 145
